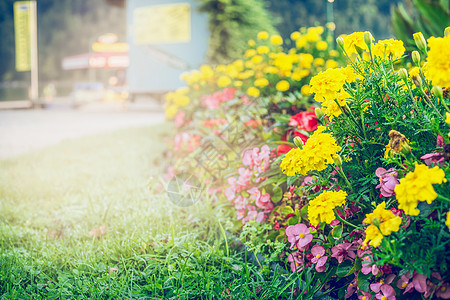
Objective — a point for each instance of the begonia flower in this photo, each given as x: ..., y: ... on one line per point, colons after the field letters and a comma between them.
x: 299, y: 235
x: 388, y: 181
x: 433, y: 159
x: 296, y: 262
x: 319, y: 257
x: 343, y: 251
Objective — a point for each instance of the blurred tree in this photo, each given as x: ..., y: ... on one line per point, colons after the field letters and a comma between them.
x: 349, y: 15
x: 430, y: 17
x: 231, y: 24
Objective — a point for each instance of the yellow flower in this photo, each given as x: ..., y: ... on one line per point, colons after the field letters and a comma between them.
x: 282, y: 86
x: 418, y: 186
x: 271, y: 70
x: 257, y: 59
x: 322, y: 45
x: 320, y: 209
x: 414, y: 72
x: 388, y: 151
x: 276, y: 40
x: 382, y: 223
x: 356, y: 39
x: 331, y: 64
x: 253, y: 92
x: 223, y: 81
x: 319, y: 61
x: 262, y: 35
x: 249, y: 53
x: 327, y: 84
x: 331, y: 108
x: 262, y: 50
x: 237, y: 83
x: 295, y: 35
x: 437, y: 68
x: 261, y: 82
x: 181, y: 100
x: 388, y: 48
x: 447, y: 119
x: 171, y: 110
x: 316, y: 154
x: 334, y: 53
x: 447, y: 221
x: 301, y: 42
x: 251, y: 43
x: 305, y: 90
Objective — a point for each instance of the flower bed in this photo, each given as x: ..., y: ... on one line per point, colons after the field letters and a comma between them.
x: 335, y: 163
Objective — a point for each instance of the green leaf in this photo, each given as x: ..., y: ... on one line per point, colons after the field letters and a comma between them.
x: 304, y: 212
x: 293, y: 220
x: 363, y: 281
x: 287, y: 210
x: 336, y: 233
x: 276, y: 193
x: 345, y: 268
x: 425, y: 209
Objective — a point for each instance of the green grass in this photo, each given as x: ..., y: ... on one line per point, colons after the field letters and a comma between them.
x: 50, y: 199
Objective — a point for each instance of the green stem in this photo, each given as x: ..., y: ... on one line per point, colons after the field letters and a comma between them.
x: 341, y: 171
x: 344, y: 221
x: 431, y: 103
x: 443, y: 198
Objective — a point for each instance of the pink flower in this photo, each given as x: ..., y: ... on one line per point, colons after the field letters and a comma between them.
x: 352, y: 287
x: 440, y: 141
x: 255, y: 194
x: 368, y: 266
x: 405, y: 282
x: 344, y: 250
x: 388, y: 181
x: 253, y: 215
x: 319, y: 257
x: 386, y: 292
x: 420, y: 282
x: 179, y: 118
x: 263, y: 201
x: 304, y: 120
x: 365, y: 295
x: 296, y: 262
x: 244, y: 177
x: 443, y: 291
x: 299, y: 235
x: 247, y: 158
x: 433, y: 158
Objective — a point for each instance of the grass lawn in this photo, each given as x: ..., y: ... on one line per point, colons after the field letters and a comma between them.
x: 141, y: 245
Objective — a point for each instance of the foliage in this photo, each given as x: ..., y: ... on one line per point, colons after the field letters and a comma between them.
x: 232, y: 24
x: 427, y: 16
x: 364, y: 206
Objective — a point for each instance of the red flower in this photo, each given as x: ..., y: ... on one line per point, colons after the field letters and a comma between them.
x: 281, y: 149
x: 304, y: 120
x: 301, y: 135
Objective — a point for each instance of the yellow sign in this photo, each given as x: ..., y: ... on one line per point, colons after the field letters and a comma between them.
x: 106, y: 47
x: 160, y: 24
x: 22, y: 12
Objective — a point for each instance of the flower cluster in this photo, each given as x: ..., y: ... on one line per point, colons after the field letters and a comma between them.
x: 321, y: 208
x: 418, y: 186
x: 317, y: 153
x: 382, y: 223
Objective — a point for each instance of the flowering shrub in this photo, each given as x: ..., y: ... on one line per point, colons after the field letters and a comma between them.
x: 352, y: 187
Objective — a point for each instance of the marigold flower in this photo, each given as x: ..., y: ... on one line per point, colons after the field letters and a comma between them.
x: 223, y: 81
x: 295, y: 35
x: 262, y: 35
x: 437, y: 68
x: 261, y: 82
x: 322, y: 45
x: 252, y: 91
x: 282, y: 86
x: 320, y: 209
x: 447, y: 221
x: 388, y: 48
x: 382, y: 223
x: 263, y: 50
x: 317, y: 153
x: 354, y: 41
x: 418, y: 186
x: 276, y: 40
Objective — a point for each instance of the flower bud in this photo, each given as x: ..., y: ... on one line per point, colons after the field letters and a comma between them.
x: 319, y: 113
x: 340, y: 42
x: 376, y: 222
x: 368, y: 39
x: 337, y: 160
x: 447, y: 31
x: 437, y: 91
x: 405, y: 148
x: 298, y: 142
x: 403, y: 73
x: 421, y: 43
x: 416, y: 58
x: 417, y: 81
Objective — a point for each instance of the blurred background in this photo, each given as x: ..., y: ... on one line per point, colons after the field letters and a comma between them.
x: 115, y: 50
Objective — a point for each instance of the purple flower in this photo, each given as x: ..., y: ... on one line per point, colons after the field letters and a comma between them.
x: 299, y: 235
x: 296, y: 261
x: 388, y: 181
x: 319, y: 257
x: 344, y: 250
x: 433, y: 158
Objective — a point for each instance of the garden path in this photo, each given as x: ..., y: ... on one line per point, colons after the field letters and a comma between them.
x: 25, y: 130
